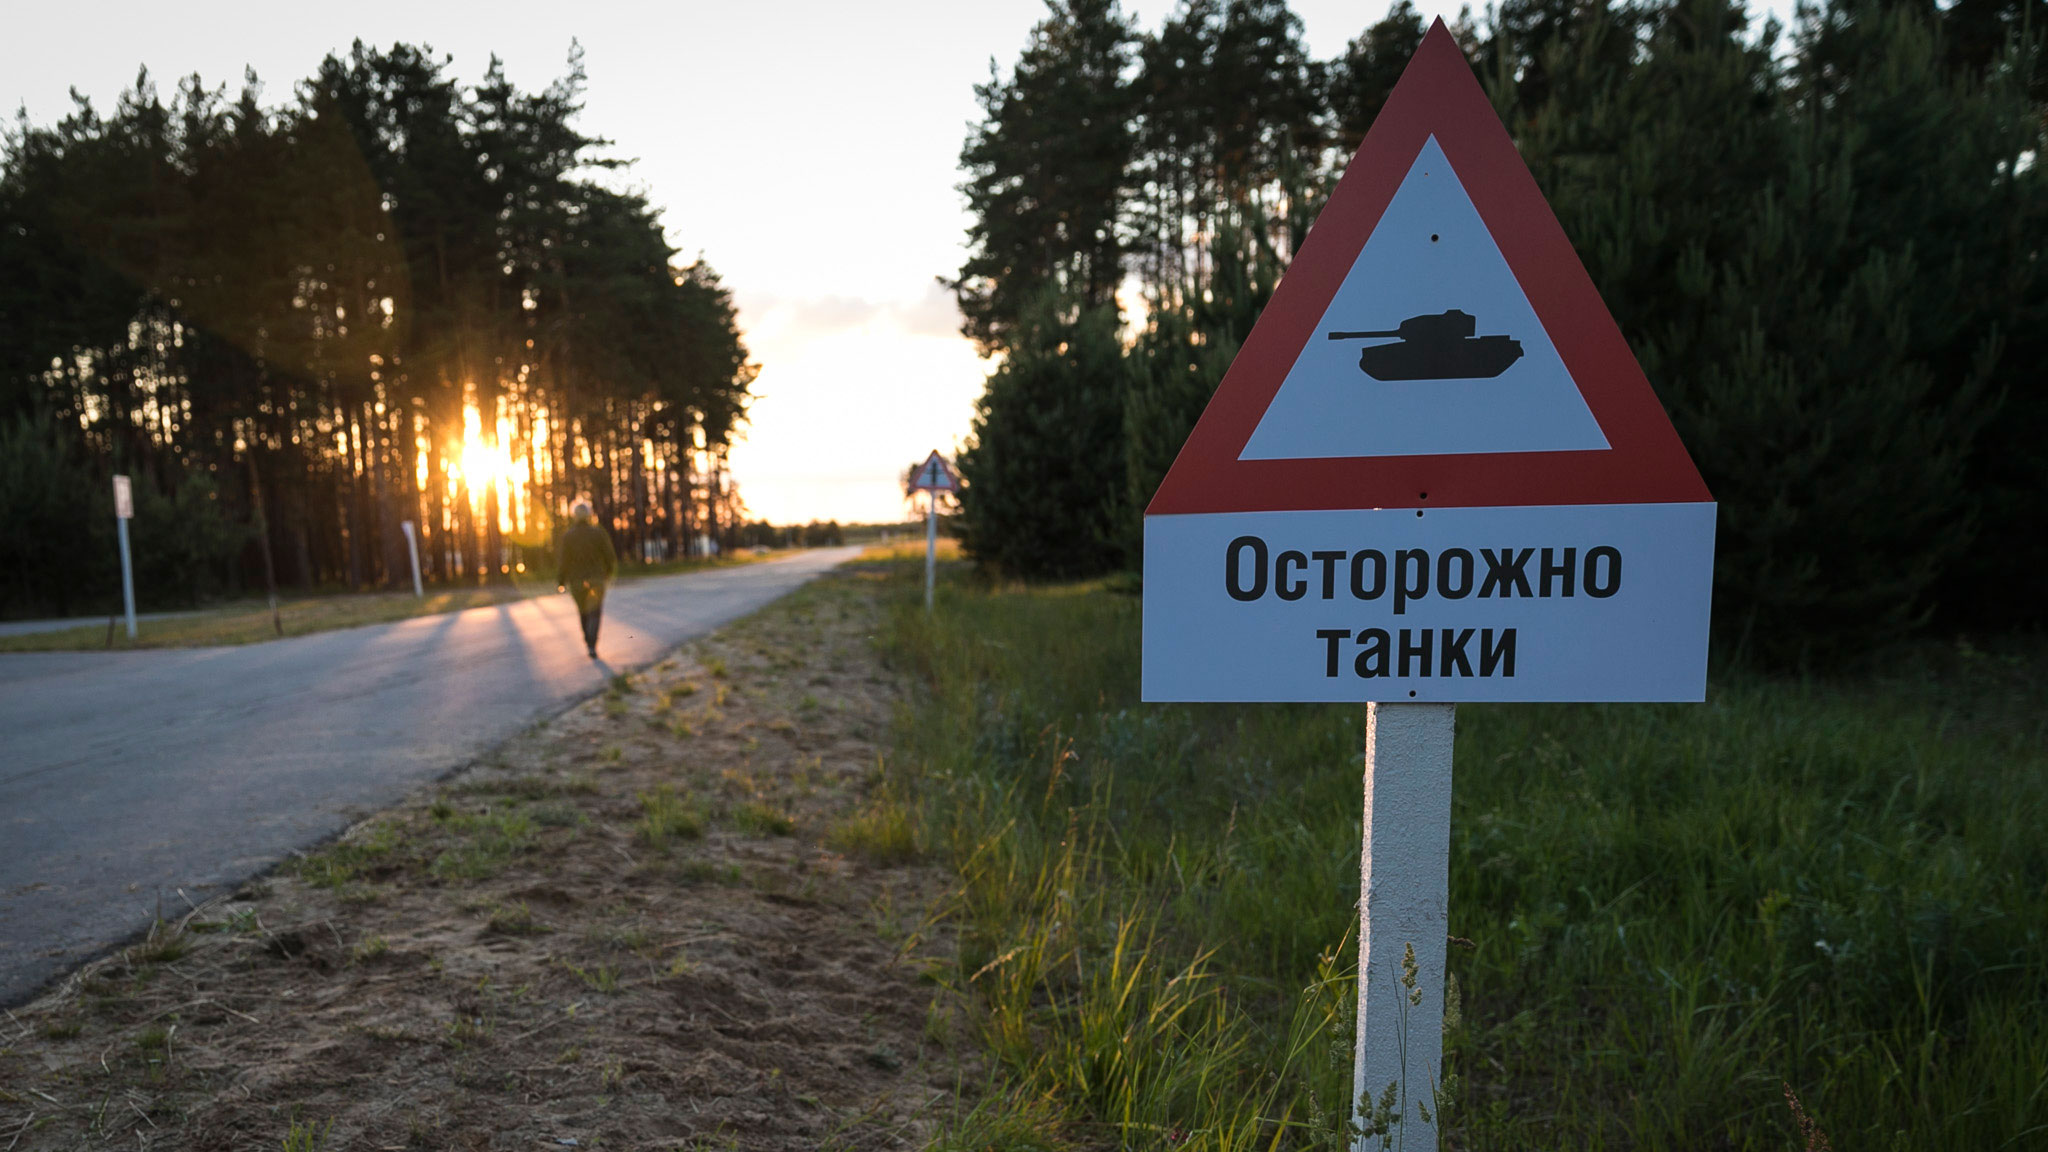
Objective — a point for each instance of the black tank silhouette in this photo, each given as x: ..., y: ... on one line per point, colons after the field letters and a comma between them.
x: 1435, y: 348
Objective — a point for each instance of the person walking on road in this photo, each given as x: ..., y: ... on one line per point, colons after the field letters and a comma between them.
x: 586, y: 563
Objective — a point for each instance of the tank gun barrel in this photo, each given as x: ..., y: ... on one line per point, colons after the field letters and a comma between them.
x: 1387, y: 335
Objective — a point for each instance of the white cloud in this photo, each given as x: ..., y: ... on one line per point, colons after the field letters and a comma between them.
x: 786, y: 318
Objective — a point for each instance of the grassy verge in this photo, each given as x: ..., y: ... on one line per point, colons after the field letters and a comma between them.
x: 1680, y: 917
x: 249, y: 621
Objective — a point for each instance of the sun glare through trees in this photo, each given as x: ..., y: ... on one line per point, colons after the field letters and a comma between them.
x: 397, y: 298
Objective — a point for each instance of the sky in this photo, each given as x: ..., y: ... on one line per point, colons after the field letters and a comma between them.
x: 808, y: 150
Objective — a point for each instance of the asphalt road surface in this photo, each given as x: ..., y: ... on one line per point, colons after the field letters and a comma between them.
x: 128, y: 776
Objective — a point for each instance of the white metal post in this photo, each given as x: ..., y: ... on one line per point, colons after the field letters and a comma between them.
x: 931, y: 545
x: 124, y: 510
x: 412, y: 545
x: 1404, y: 892
x: 127, y: 575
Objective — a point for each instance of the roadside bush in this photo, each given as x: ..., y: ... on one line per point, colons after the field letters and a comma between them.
x: 1814, y: 258
x: 56, y: 535
x: 186, y: 542
x: 1043, y: 470
x: 1180, y: 358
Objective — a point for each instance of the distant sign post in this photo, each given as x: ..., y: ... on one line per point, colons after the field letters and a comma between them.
x: 933, y: 477
x: 124, y: 511
x: 1434, y: 473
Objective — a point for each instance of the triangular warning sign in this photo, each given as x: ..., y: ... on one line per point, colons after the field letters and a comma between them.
x: 1435, y: 343
x: 934, y: 475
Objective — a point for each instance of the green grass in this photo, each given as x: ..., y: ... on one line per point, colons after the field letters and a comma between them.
x: 667, y: 817
x: 306, y: 1137
x: 486, y: 843
x: 602, y: 978
x: 62, y: 1027
x: 250, y: 621
x: 165, y: 943
x: 1676, y: 911
x: 345, y: 861
x: 883, y: 833
x: 514, y: 919
x: 693, y: 872
x: 757, y: 818
x: 530, y: 787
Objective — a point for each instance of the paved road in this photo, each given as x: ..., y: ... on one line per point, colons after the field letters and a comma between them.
x: 125, y: 776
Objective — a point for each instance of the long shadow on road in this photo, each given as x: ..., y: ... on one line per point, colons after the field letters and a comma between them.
x: 133, y: 782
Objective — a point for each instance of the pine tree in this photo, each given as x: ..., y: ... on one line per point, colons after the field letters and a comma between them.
x: 199, y: 289
x: 1231, y: 127
x: 1828, y: 260
x: 1787, y: 256
x: 1044, y: 490
x: 1365, y: 75
x: 1181, y: 357
x: 1045, y: 167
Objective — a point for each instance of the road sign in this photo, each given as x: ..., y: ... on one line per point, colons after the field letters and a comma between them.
x: 124, y: 498
x: 1434, y: 472
x: 935, y: 475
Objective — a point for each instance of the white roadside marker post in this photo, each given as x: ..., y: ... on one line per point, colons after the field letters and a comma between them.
x: 124, y: 511
x: 1403, y: 902
x: 412, y: 546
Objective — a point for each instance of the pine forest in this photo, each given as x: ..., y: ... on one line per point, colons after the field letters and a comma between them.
x: 1824, y: 243
x: 392, y: 297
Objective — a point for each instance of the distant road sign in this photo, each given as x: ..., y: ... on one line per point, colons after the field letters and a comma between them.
x: 124, y: 498
x: 1435, y: 472
x: 935, y: 475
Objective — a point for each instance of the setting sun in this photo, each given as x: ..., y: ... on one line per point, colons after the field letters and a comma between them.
x: 483, y: 463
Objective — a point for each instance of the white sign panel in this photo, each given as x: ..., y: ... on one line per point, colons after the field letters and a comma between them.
x: 124, y: 499
x: 1459, y: 604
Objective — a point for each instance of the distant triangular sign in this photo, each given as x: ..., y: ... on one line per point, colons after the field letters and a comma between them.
x: 935, y: 475
x: 1435, y: 377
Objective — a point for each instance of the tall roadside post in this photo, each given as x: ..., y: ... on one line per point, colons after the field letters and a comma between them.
x: 933, y: 476
x: 412, y: 549
x: 124, y: 511
x: 263, y: 537
x: 1434, y: 474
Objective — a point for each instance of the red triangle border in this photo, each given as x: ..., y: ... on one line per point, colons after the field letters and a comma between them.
x: 1644, y: 464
